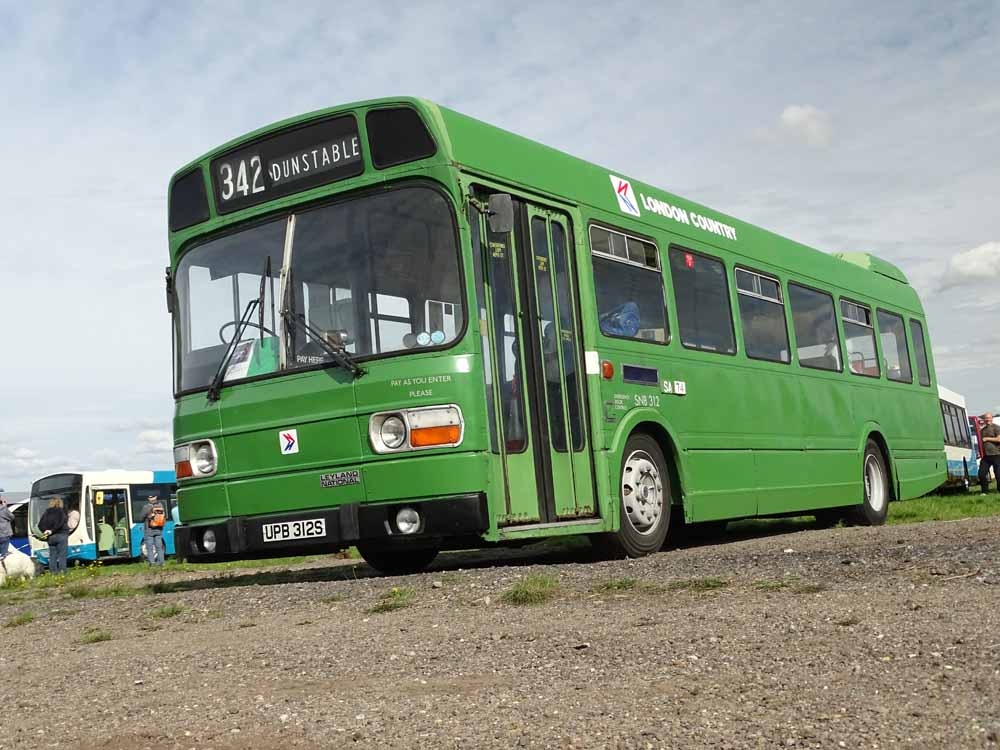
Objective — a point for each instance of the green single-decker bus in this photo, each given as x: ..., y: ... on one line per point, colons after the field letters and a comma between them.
x: 400, y: 328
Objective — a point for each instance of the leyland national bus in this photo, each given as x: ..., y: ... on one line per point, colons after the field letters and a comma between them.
x: 401, y: 328
x: 962, y: 460
x: 104, y: 508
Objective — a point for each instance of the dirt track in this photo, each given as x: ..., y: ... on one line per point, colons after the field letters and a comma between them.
x: 856, y: 637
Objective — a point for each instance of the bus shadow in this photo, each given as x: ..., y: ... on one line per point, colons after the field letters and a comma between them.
x: 567, y: 551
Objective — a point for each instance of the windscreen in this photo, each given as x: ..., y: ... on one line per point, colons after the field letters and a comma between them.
x: 375, y: 275
x: 66, y: 487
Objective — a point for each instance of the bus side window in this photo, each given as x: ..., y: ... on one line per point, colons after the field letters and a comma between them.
x: 896, y: 353
x: 920, y: 349
x: 628, y: 286
x: 701, y: 291
x: 816, y: 341
x: 859, y: 336
x: 762, y: 316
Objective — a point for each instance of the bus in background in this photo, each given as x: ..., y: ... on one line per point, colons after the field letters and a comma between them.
x: 959, y: 448
x: 17, y: 503
x: 109, y: 506
x: 399, y: 327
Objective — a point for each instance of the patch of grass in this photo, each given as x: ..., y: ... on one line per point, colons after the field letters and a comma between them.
x: 95, y: 635
x: 944, y: 508
x: 115, y: 590
x: 697, y: 584
x: 22, y: 619
x: 771, y: 585
x: 395, y: 598
x: 167, y: 610
x: 618, y: 584
x: 332, y: 599
x: 536, y: 589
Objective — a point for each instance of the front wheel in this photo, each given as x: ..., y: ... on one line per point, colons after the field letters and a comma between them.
x: 393, y: 560
x: 875, y: 506
x: 644, y: 501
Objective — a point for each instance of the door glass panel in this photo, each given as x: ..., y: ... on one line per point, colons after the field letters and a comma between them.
x: 567, y: 332
x: 548, y: 328
x: 477, y: 266
x: 508, y: 346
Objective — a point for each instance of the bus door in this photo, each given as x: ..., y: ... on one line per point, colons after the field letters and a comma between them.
x: 534, y: 335
x: 110, y: 510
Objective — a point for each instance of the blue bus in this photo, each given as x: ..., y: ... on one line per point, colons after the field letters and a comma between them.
x: 105, y: 512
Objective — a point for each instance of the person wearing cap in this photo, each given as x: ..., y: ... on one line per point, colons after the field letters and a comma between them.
x: 153, y: 516
x: 991, y: 454
x: 6, y: 526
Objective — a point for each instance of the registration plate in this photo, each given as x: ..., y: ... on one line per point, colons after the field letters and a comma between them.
x: 309, y: 528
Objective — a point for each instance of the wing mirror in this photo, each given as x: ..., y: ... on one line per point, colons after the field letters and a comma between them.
x: 501, y: 213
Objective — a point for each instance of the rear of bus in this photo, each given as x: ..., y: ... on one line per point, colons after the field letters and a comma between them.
x: 326, y: 391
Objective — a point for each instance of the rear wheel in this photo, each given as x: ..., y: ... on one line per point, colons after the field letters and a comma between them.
x: 875, y: 507
x: 393, y: 560
x: 644, y: 501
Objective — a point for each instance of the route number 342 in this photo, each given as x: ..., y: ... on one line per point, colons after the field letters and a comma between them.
x: 647, y: 399
x: 243, y: 179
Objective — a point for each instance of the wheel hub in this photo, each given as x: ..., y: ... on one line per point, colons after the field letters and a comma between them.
x: 642, y: 492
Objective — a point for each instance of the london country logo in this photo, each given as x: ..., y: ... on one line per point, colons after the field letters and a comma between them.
x: 626, y: 197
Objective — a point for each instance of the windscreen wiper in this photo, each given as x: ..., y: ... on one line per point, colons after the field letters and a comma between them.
x: 252, y: 305
x: 337, y: 353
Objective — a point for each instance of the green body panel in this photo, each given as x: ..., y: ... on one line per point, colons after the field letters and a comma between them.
x: 748, y: 438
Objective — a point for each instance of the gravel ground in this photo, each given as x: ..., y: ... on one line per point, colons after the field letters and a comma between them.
x: 852, y: 637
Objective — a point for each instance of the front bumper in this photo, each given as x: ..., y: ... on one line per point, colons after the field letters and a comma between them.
x: 243, y: 537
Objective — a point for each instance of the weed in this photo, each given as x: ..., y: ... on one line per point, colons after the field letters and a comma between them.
x: 846, y: 622
x: 618, y: 584
x: 115, y: 590
x: 22, y: 619
x: 697, y: 584
x: 395, y: 598
x: 95, y: 635
x: 167, y: 610
x: 332, y: 599
x: 532, y: 590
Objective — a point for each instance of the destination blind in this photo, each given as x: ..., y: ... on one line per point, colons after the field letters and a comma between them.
x: 287, y: 163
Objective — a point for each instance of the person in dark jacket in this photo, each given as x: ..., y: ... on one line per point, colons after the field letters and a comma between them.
x: 55, y: 528
x: 6, y: 527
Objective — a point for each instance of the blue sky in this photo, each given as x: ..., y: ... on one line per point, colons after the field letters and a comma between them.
x: 848, y: 126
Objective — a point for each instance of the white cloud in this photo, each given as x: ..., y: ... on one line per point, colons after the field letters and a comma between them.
x: 978, y: 266
x: 155, y: 441
x: 801, y: 123
x: 807, y: 124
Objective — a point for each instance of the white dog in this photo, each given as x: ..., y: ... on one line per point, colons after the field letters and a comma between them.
x: 16, y: 565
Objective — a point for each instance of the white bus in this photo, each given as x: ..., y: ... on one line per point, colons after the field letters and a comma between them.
x: 958, y: 447
x: 109, y: 504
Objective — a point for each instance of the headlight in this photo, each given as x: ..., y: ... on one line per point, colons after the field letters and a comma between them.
x: 204, y: 459
x: 407, y: 521
x: 208, y: 541
x: 416, y: 429
x: 195, y: 460
x: 392, y: 432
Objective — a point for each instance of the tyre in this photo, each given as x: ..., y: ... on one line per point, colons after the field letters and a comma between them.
x: 875, y: 477
x: 644, y: 501
x: 394, y: 560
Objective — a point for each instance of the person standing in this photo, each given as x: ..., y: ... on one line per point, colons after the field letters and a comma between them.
x: 154, y: 517
x: 991, y: 454
x: 6, y: 527
x: 55, y: 530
